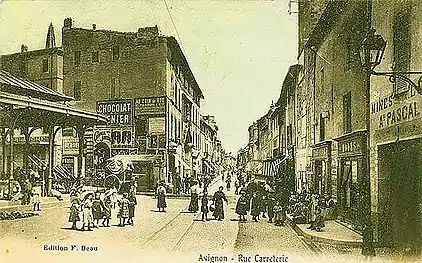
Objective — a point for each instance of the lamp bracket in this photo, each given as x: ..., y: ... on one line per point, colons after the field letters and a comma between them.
x: 393, y: 76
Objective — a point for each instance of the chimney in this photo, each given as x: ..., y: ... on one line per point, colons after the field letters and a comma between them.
x: 24, y: 48
x: 94, y: 27
x: 68, y: 22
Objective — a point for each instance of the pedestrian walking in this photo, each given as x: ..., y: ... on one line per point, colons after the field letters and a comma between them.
x: 161, y: 194
x: 27, y: 192
x: 97, y: 211
x: 36, y: 194
x: 255, y: 206
x: 313, y: 203
x: 236, y: 187
x: 278, y: 214
x: 218, y: 199
x: 74, y: 213
x: 132, y: 204
x: 124, y: 210
x: 106, y: 210
x: 87, y: 212
x: 161, y: 197
x: 195, y: 190
x: 113, y: 198
x: 228, y: 183
x: 242, y: 206
x: 204, y: 205
x: 270, y: 205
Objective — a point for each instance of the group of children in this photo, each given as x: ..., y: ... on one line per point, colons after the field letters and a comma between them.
x: 93, y: 209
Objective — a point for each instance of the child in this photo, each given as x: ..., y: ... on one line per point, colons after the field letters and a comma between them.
x: 256, y: 207
x: 74, y: 213
x: 242, y: 206
x: 87, y: 212
x: 204, y: 206
x: 132, y: 204
x: 96, y: 209
x: 106, y: 205
x: 278, y: 214
x: 124, y: 209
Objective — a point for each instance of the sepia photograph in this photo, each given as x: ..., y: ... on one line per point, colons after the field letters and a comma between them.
x: 208, y: 131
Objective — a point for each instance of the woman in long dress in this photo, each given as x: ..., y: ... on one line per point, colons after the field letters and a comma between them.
x: 242, y: 206
x: 132, y: 204
x: 194, y: 204
x: 161, y: 198
x: 218, y: 199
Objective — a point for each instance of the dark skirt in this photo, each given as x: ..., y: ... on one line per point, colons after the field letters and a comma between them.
x: 193, y: 206
x: 74, y: 215
x: 161, y: 201
x: 219, y: 211
x: 107, y: 212
x: 131, y: 211
x: 204, y: 206
x: 97, y: 212
x: 242, y: 207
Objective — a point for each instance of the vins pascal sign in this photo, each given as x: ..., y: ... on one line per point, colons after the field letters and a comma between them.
x: 119, y: 112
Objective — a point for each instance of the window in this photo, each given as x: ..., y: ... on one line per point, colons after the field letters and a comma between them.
x: 77, y: 57
x: 347, y: 112
x: 95, y: 56
x: 77, y: 90
x: 116, y: 53
x: 23, y: 68
x: 45, y: 65
x: 401, y: 48
x: 321, y: 127
x: 113, y: 88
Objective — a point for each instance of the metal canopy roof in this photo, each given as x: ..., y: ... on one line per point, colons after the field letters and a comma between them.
x: 32, y: 112
x: 15, y: 85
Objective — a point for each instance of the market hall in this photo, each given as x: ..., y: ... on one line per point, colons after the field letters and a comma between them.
x: 27, y: 108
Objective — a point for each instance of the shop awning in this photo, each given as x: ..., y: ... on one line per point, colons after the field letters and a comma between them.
x: 208, y: 165
x: 120, y: 163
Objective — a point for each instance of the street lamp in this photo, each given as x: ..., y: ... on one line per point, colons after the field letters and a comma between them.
x: 371, y: 53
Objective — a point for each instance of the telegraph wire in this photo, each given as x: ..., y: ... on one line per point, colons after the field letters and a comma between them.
x: 175, y: 28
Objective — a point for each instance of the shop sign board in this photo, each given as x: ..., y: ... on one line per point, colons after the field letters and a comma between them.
x: 124, y: 151
x: 119, y: 112
x: 352, y: 145
x: 35, y: 139
x: 156, y: 125
x: 70, y: 145
x: 321, y: 150
x: 150, y: 106
x: 388, y: 111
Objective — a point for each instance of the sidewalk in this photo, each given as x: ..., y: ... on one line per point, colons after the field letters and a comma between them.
x: 333, y: 233
x: 6, y: 205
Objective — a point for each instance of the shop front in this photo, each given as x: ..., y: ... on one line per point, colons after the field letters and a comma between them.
x: 352, y: 178
x: 321, y: 164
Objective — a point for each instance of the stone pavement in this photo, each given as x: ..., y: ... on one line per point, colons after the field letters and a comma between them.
x: 333, y: 233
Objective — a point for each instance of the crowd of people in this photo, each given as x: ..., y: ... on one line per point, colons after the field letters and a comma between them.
x: 311, y: 208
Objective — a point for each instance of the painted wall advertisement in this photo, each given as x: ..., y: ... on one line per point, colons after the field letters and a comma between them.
x: 119, y: 112
x: 150, y: 106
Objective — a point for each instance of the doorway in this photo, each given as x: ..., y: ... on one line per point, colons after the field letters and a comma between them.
x: 401, y: 167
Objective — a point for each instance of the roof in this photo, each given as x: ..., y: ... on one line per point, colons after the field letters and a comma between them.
x: 19, y: 86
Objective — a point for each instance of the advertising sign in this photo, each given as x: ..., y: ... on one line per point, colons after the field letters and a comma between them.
x: 70, y: 146
x: 156, y: 125
x: 122, y: 137
x: 150, y: 106
x: 119, y: 112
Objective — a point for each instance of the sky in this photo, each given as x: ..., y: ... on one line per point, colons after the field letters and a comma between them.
x: 238, y: 50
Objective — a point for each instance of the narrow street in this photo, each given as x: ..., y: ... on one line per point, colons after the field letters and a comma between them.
x: 155, y: 236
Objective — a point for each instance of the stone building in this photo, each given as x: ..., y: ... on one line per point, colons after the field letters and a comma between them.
x: 395, y: 115
x: 104, y: 70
